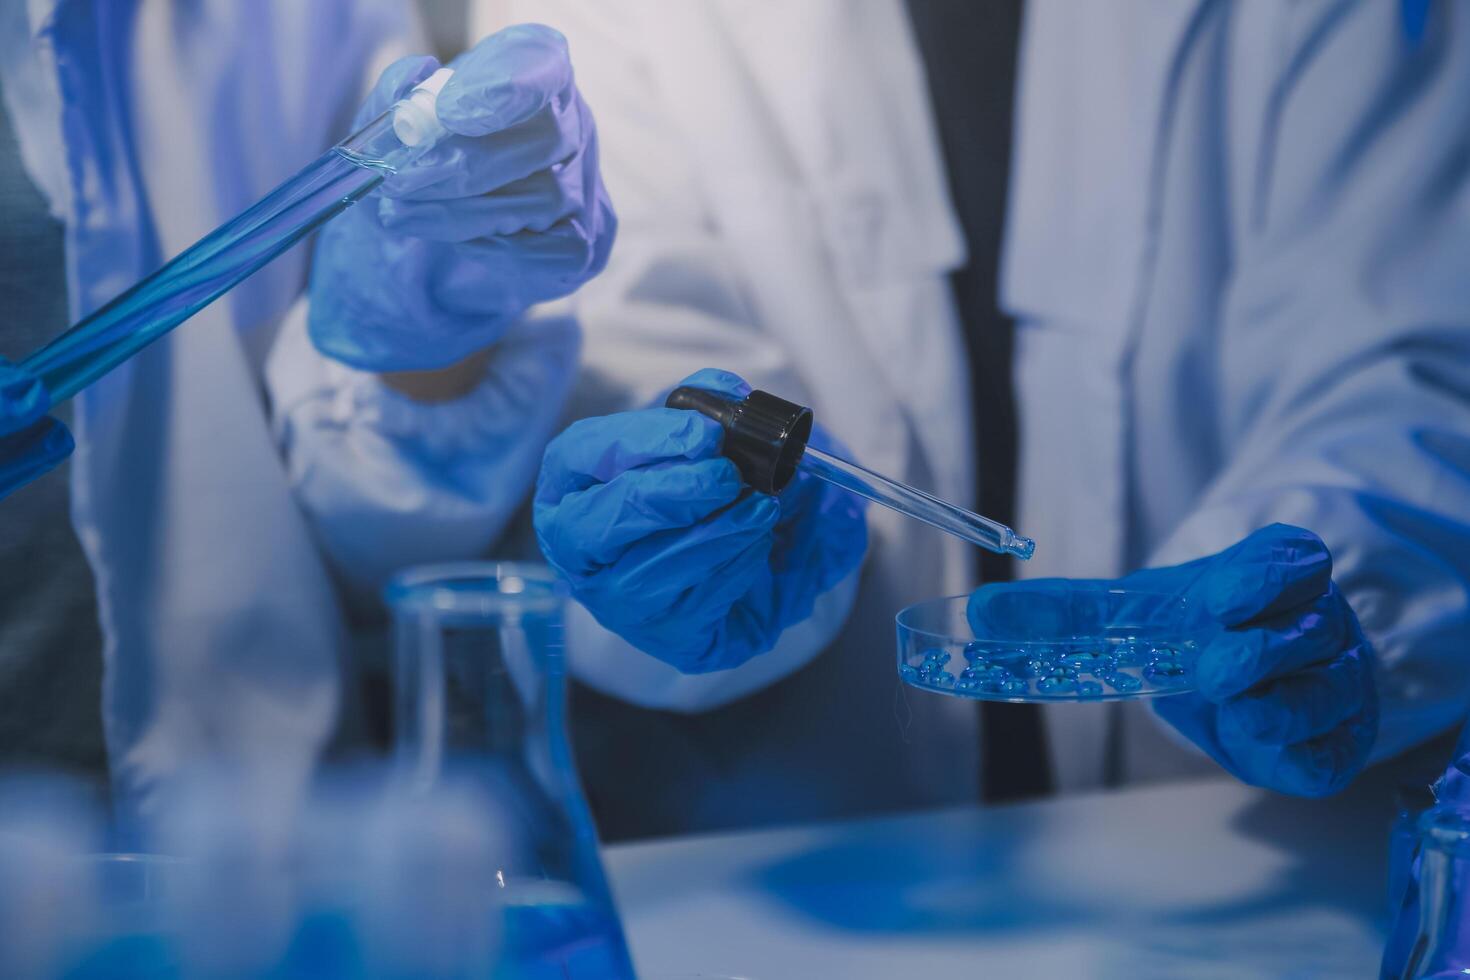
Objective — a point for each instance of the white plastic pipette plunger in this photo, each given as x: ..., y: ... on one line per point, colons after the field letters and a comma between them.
x: 766, y: 438
x: 414, y: 118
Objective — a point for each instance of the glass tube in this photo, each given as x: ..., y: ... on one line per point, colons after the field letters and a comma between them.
x: 232, y: 252
x: 917, y: 504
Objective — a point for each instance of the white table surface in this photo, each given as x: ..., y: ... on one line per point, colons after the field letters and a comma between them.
x: 1202, y: 879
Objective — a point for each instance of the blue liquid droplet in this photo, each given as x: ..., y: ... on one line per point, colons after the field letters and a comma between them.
x: 1089, y: 689
x: 1126, y: 683
x: 1056, y: 684
x: 1129, y: 655
x: 1166, y: 673
x: 936, y: 656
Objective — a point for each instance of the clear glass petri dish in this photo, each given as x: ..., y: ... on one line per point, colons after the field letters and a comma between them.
x: 1081, y: 643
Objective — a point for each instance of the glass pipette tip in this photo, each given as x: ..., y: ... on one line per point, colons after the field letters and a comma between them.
x: 917, y: 504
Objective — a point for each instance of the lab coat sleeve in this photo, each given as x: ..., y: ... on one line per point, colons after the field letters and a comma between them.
x: 1344, y: 351
x: 389, y: 482
x: 671, y: 301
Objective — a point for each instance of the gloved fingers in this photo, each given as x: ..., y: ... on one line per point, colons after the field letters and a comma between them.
x: 595, y: 450
x: 597, y: 215
x: 697, y: 631
x: 24, y: 400
x: 714, y: 379
x: 1319, y: 766
x: 1235, y: 660
x: 668, y: 562
x: 1306, y: 704
x: 561, y: 137
x: 31, y: 452
x: 596, y: 525
x: 463, y: 166
x: 539, y: 265
x: 396, y: 81
x: 655, y: 571
x: 747, y: 628
x: 506, y: 79
x: 1273, y: 570
x: 534, y: 203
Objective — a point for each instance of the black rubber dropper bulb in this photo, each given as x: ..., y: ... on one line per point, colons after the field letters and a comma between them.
x: 765, y: 436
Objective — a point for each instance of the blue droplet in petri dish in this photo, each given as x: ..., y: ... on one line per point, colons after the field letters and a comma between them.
x: 1084, y: 658
x: 1166, y: 673
x: 909, y: 674
x: 936, y: 656
x: 1056, y: 684
x: 1014, y: 687
x: 1129, y: 654
x: 1123, y: 683
x: 1089, y: 689
x: 977, y: 652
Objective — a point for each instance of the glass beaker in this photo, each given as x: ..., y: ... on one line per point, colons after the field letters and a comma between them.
x: 480, y: 696
x: 1441, y: 943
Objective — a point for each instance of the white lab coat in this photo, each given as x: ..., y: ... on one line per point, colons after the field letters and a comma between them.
x: 1236, y: 255
x: 225, y: 477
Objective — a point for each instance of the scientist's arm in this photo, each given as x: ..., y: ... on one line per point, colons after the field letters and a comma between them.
x: 1345, y: 376
x: 674, y: 299
x: 419, y: 434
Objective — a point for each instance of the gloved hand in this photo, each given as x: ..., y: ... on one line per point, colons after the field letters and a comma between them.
x: 31, y: 442
x: 1286, y: 697
x: 506, y: 212
x: 662, y: 543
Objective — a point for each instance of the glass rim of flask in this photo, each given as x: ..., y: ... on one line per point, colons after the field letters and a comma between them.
x: 476, y: 589
x: 1446, y: 827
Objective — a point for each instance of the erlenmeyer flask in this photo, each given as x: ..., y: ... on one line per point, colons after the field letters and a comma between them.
x: 480, y: 696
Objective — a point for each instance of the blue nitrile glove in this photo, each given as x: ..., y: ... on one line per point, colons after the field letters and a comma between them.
x: 506, y: 212
x: 659, y: 539
x: 31, y: 442
x: 1286, y: 697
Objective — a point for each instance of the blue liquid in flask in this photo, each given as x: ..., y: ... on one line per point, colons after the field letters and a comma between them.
x: 566, y: 940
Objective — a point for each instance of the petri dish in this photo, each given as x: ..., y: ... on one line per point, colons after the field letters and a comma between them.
x: 1081, y: 643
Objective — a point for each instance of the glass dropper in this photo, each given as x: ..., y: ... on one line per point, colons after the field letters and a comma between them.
x: 766, y: 437
x: 915, y: 503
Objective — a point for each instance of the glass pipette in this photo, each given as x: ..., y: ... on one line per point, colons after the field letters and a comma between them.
x: 766, y: 437
x: 915, y: 503
x: 225, y: 257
